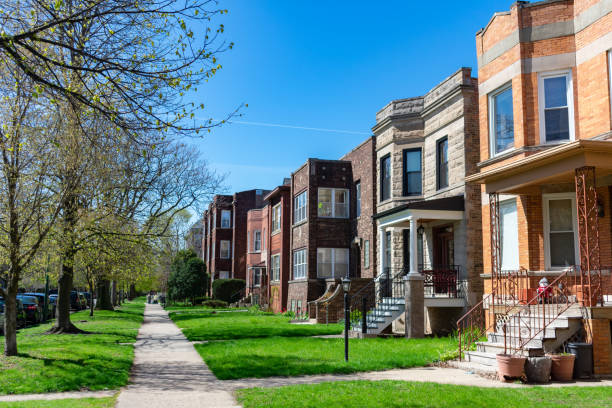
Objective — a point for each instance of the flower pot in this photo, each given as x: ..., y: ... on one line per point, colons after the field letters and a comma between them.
x: 537, y: 369
x: 509, y: 367
x: 562, y: 367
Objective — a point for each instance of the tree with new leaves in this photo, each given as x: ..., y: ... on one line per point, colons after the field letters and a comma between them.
x: 188, y: 279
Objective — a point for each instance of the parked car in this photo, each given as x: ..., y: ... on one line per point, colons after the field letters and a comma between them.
x: 33, y: 310
x: 48, y: 314
x: 21, y: 316
x: 75, y: 301
x: 53, y: 304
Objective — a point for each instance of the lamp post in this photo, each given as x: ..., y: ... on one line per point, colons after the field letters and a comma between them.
x: 346, y: 286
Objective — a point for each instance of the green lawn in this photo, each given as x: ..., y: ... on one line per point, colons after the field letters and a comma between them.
x: 63, y: 403
x: 290, y: 356
x: 215, y: 325
x: 391, y: 394
x: 52, y: 363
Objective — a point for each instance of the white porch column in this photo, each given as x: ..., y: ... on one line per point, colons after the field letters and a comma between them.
x: 414, y: 261
x: 382, y: 247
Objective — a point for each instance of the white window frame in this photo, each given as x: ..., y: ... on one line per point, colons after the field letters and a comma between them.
x: 256, y: 234
x: 300, y: 205
x: 229, y: 218
x: 567, y: 73
x: 229, y: 249
x: 546, y: 198
x: 224, y: 272
x: 256, y: 272
x: 504, y: 201
x: 333, y: 202
x: 358, y: 199
x: 492, y: 135
x: 333, y: 262
x: 366, y: 253
x: 300, y: 264
x: 276, y: 223
x: 275, y: 268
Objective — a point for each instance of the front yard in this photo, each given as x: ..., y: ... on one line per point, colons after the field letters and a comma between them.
x: 68, y: 362
x: 63, y: 403
x: 392, y: 394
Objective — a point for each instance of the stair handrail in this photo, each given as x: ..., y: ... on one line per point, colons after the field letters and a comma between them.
x: 550, y: 305
x: 481, y: 329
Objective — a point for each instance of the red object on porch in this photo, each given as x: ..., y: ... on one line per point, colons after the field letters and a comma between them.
x: 526, y: 295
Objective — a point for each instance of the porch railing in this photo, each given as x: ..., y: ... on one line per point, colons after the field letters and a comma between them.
x: 442, y: 281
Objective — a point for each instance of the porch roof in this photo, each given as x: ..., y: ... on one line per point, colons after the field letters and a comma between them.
x: 448, y: 208
x: 554, y: 165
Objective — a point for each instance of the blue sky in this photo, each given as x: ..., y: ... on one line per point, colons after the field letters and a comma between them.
x: 325, y: 65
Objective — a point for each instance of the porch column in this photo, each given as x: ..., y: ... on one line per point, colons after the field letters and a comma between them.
x: 414, y: 261
x: 382, y: 247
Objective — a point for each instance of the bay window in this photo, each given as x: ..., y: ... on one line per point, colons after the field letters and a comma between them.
x: 299, y: 264
x: 556, y: 107
x: 333, y: 203
x: 332, y: 262
x: 501, y: 120
x: 299, y: 206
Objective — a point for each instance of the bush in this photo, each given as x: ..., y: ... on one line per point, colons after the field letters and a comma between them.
x: 188, y: 279
x: 201, y: 299
x: 225, y: 289
x: 214, y: 303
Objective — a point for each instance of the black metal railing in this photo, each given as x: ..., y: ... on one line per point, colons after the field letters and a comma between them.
x: 442, y: 281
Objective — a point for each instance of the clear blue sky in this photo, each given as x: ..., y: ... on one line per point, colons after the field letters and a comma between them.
x: 327, y: 65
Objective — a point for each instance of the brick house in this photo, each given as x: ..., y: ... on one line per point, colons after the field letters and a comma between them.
x: 331, y: 231
x: 544, y: 72
x: 427, y: 218
x: 224, y: 242
x: 256, y: 278
x: 195, y: 237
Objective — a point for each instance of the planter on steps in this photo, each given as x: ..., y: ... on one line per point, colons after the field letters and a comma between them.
x: 562, y: 367
x: 537, y: 369
x: 510, y: 367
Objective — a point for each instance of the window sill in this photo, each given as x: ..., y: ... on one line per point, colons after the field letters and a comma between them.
x: 298, y: 280
x: 301, y: 222
x: 332, y: 218
x: 273, y: 233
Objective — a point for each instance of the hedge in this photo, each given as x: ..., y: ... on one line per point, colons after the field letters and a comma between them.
x: 224, y: 289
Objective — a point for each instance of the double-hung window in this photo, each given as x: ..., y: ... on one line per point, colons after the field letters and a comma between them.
x: 333, y: 202
x: 276, y: 218
x: 332, y: 262
x: 256, y: 276
x: 275, y: 267
x: 412, y: 184
x: 257, y: 241
x: 556, y: 107
x: 358, y: 194
x: 299, y: 207
x: 366, y: 254
x: 226, y: 220
x: 501, y: 120
x: 225, y: 250
x: 299, y: 264
x: 385, y: 178
x: 442, y: 163
x: 560, y: 230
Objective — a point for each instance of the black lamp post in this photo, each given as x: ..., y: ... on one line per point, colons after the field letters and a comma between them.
x: 346, y: 286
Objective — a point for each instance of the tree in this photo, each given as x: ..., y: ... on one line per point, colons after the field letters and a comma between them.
x: 188, y: 279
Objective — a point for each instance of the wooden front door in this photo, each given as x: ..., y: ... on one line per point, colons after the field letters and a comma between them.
x: 444, y: 246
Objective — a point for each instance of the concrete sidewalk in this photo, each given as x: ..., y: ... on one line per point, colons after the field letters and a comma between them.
x: 168, y: 371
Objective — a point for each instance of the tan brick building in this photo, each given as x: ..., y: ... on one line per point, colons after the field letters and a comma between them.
x: 545, y: 168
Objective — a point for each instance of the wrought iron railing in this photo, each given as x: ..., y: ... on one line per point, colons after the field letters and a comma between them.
x: 443, y: 281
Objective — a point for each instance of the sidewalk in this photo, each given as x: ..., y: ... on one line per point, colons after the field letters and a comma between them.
x: 167, y: 370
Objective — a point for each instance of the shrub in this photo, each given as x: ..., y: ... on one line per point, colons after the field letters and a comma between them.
x: 225, y: 289
x: 214, y: 303
x: 188, y: 279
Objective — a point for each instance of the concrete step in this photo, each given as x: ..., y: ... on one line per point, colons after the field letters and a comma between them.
x: 530, y: 349
x: 515, y: 334
x: 487, y: 359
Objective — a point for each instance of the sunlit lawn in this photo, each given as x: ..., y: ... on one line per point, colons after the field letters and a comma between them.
x: 291, y: 356
x: 52, y: 363
x: 220, y: 325
x: 63, y: 403
x: 396, y: 394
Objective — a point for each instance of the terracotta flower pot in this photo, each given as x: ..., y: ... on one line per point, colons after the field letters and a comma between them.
x: 509, y: 367
x: 562, y: 367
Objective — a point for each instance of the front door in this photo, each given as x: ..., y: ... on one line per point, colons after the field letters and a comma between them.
x: 444, y: 245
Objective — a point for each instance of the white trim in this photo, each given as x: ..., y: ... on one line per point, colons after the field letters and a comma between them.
x: 333, y: 202
x: 277, y: 208
x: 570, y: 104
x: 300, y: 253
x: 333, y: 261
x: 491, y: 113
x: 297, y: 209
x: 546, y: 198
x: 229, y: 218
x: 407, y: 214
x: 229, y: 249
x: 272, y: 269
x: 610, y: 79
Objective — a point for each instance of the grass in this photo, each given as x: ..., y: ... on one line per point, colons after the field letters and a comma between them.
x: 391, y: 394
x: 54, y: 363
x: 284, y: 356
x: 63, y: 403
x: 213, y: 325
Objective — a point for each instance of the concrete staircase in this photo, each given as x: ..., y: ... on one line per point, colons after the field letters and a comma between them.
x: 382, y: 315
x: 548, y: 340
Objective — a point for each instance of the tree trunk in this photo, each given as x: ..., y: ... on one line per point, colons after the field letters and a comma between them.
x: 132, y: 293
x: 10, y: 322
x: 114, y: 293
x: 104, y: 300
x: 91, y: 298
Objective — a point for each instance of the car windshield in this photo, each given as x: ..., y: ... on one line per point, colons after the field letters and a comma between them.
x: 28, y: 299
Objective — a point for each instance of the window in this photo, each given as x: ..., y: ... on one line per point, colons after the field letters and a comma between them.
x: 225, y: 250
x: 226, y: 221
x: 264, y: 240
x: 223, y: 274
x: 556, y: 107
x: 275, y: 267
x: 333, y: 202
x: 215, y: 219
x: 332, y: 262
x: 387, y: 249
x: 257, y: 241
x: 256, y: 276
x: 501, y: 120
x: 509, y: 235
x: 385, y: 178
x: 366, y: 254
x: 442, y: 163
x: 300, y: 207
x: 560, y: 230
x: 299, y: 264
x: 358, y: 193
x: 412, y: 184
x: 276, y: 218
x: 214, y: 254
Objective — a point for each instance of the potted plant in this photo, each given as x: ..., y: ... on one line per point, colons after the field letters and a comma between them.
x: 562, y: 367
x: 510, y: 367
